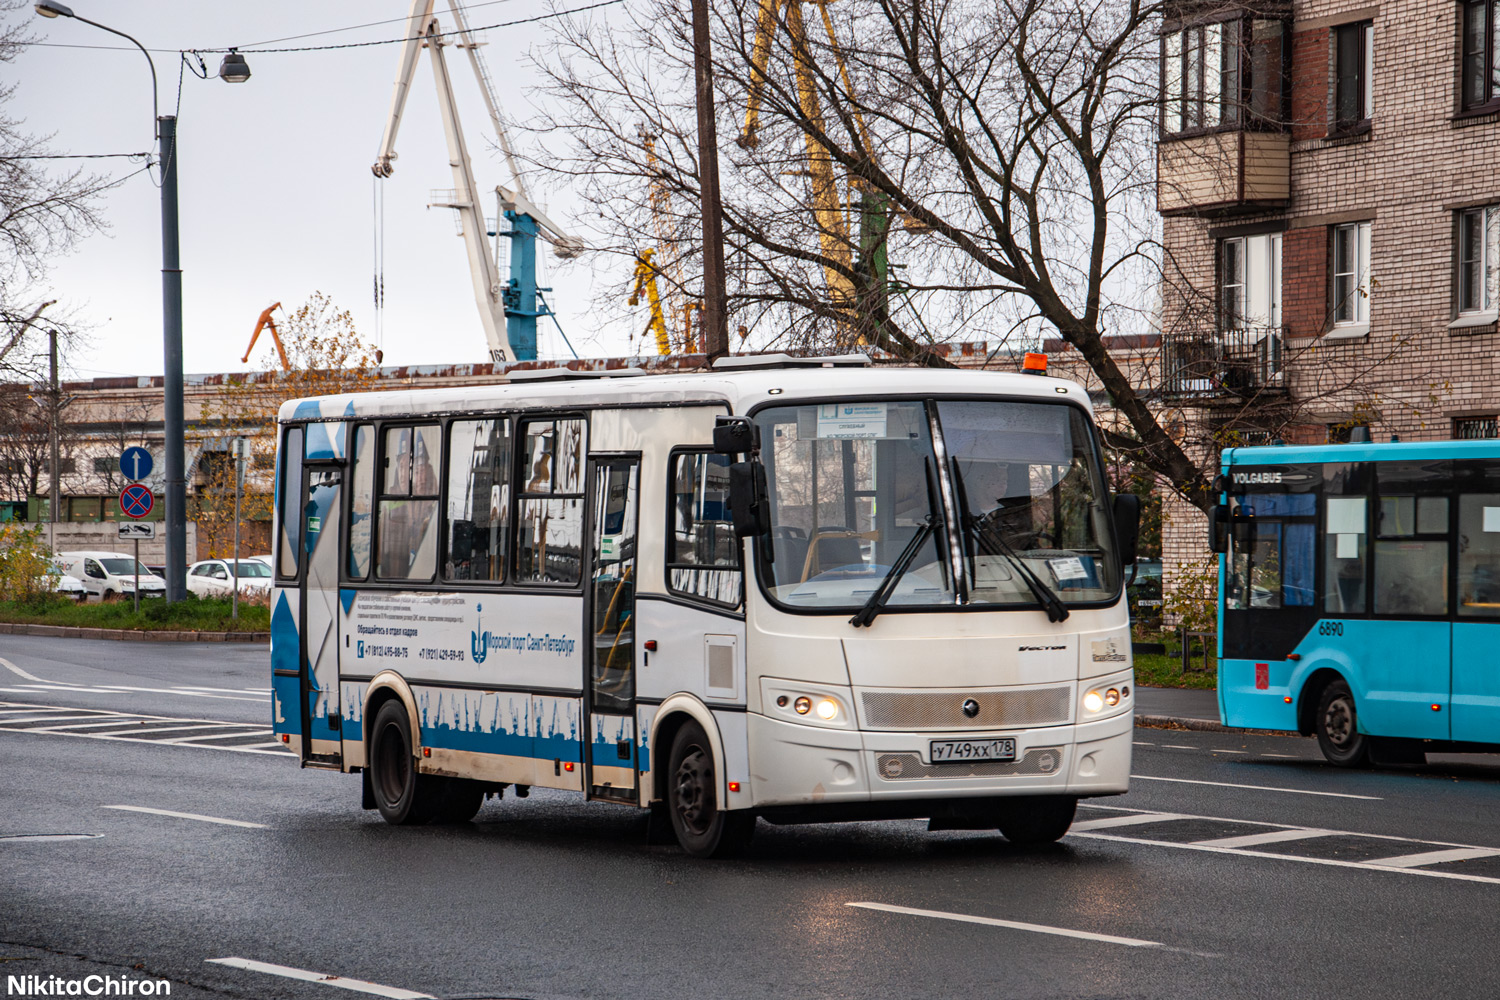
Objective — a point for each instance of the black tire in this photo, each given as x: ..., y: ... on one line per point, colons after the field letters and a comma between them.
x: 1036, y: 819
x: 702, y: 828
x: 1336, y: 722
x: 404, y: 797
x: 460, y: 799
x: 108, y: 595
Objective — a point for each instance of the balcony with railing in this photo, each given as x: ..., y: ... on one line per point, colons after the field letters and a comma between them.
x: 1238, y: 363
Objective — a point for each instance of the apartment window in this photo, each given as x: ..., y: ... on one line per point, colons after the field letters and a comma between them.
x: 1354, y: 60
x: 1351, y: 274
x: 104, y: 465
x: 1201, y: 77
x: 1250, y: 282
x: 1475, y: 428
x: 1479, y: 260
x: 1480, y: 67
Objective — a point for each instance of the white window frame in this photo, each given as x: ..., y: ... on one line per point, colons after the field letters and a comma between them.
x: 1258, y: 280
x: 1351, y: 309
x: 1487, y: 261
x: 1193, y: 101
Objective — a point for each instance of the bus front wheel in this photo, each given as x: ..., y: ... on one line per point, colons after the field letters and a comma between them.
x: 403, y: 796
x: 1337, y: 726
x: 1039, y: 819
x: 702, y: 828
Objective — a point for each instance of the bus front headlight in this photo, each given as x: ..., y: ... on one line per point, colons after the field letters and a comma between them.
x: 1093, y: 702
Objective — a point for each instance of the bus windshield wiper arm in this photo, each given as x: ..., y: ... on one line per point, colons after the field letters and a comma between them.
x: 865, y: 615
x: 1056, y: 610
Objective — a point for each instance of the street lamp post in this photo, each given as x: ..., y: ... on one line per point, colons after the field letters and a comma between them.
x: 233, y: 70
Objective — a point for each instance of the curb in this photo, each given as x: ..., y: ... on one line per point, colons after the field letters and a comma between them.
x: 131, y: 635
x: 1203, y: 726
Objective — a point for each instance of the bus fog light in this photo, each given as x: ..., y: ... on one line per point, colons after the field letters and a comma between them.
x: 1111, y: 697
x: 827, y: 709
x: 1093, y: 701
x: 802, y: 705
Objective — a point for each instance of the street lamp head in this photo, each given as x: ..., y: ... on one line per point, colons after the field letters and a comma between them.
x: 234, y: 69
x: 51, y: 8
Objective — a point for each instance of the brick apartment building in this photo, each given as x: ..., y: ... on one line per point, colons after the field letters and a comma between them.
x: 1329, y: 182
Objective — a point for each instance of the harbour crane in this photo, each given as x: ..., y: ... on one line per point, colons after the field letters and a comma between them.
x: 508, y: 310
x: 267, y: 323
x: 828, y: 201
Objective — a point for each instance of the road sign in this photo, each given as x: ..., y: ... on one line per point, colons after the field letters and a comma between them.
x: 136, y: 500
x: 138, y: 530
x: 135, y: 462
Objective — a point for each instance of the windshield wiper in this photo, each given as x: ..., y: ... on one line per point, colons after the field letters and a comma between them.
x: 872, y: 607
x: 1056, y: 610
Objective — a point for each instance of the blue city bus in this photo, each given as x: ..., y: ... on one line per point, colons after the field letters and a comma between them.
x: 1359, y: 596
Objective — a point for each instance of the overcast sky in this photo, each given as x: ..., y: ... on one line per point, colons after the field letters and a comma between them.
x: 275, y: 185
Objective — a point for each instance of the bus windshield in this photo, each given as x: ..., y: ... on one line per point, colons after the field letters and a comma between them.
x: 851, y: 484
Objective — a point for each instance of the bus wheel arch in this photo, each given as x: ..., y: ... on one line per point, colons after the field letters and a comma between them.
x: 1312, y: 693
x: 1336, y: 724
x: 675, y: 713
x: 384, y: 687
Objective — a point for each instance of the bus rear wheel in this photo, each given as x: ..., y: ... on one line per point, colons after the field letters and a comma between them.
x: 403, y: 796
x: 1337, y: 726
x: 702, y: 828
x: 1038, y: 819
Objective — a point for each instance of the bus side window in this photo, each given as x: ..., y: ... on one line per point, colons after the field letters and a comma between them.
x: 1344, y: 553
x: 1479, y: 555
x: 549, y: 519
x: 1411, y: 556
x: 478, y: 499
x: 290, y: 531
x: 361, y: 502
x: 408, y: 524
x: 703, y: 555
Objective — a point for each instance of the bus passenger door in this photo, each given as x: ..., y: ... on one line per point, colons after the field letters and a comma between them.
x: 1476, y: 630
x: 609, y: 628
x: 321, y: 513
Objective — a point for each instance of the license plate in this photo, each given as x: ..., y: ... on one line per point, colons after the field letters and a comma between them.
x: 942, y: 751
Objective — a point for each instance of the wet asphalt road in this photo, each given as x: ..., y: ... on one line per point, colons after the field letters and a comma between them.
x: 1237, y: 866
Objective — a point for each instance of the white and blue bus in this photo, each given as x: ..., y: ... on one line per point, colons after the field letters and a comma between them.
x: 802, y: 591
x: 1359, y: 596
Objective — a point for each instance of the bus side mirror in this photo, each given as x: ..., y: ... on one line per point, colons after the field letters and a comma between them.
x: 734, y: 436
x: 1127, y: 511
x: 748, y: 505
x: 1218, y: 528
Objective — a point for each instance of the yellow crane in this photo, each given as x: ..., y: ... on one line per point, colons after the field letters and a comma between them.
x: 267, y: 323
x: 645, y: 283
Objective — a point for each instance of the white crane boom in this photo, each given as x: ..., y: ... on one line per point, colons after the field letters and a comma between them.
x: 411, y: 50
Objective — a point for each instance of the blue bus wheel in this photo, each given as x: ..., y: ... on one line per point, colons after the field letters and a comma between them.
x: 1337, y: 725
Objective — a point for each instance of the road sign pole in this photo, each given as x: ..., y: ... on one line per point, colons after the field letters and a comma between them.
x: 137, y: 576
x: 239, y: 481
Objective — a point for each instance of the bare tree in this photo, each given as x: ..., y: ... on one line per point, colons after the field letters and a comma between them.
x: 25, y: 452
x: 1002, y: 151
x: 43, y: 213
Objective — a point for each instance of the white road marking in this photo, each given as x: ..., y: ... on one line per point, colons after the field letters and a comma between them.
x: 18, y: 671
x: 1176, y: 746
x: 169, y: 727
x: 45, y: 718
x: 106, y: 718
x: 1012, y: 924
x: 193, y: 694
x: 195, y: 816
x: 1458, y: 852
x: 237, y: 734
x: 1435, y: 857
x: 1140, y: 743
x: 66, y: 730
x: 1292, y: 755
x: 199, y: 687
x: 30, y: 708
x: 1258, y: 788
x: 1133, y: 819
x: 1217, y: 750
x: 47, y: 838
x: 1259, y: 839
x: 287, y: 972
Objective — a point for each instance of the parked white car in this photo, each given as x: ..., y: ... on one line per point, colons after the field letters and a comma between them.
x: 212, y: 577
x: 69, y: 585
x: 110, y: 574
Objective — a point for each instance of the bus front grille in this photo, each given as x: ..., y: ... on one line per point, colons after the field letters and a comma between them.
x: 908, y: 710
x: 909, y: 766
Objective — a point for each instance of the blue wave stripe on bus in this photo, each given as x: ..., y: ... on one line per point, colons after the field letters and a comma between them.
x: 286, y: 692
x: 284, y: 653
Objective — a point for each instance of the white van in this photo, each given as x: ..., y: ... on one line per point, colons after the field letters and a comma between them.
x: 110, y: 574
